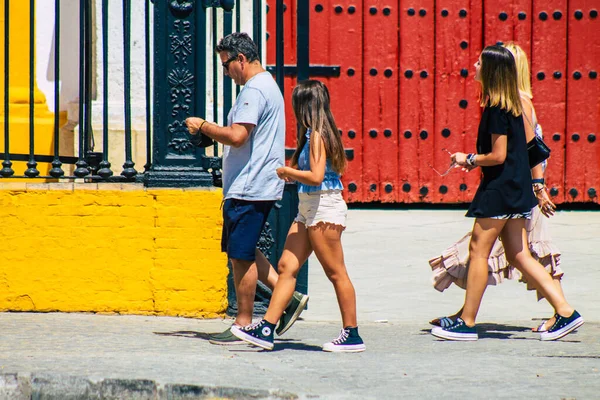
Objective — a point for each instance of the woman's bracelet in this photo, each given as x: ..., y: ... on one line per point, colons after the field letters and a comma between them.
x: 471, y: 159
x: 538, y: 187
x: 201, y: 125
x: 538, y: 180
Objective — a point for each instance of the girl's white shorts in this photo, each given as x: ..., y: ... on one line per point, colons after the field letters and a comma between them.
x: 322, y: 207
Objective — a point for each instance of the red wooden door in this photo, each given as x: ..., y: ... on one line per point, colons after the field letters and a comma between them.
x: 582, y: 180
x: 406, y: 94
x: 549, y: 85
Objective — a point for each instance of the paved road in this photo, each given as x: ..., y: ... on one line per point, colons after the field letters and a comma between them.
x: 386, y: 253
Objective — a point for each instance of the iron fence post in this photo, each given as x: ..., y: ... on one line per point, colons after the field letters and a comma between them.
x: 179, y: 92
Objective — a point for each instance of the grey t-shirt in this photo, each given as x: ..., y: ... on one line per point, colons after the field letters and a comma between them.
x: 249, y: 170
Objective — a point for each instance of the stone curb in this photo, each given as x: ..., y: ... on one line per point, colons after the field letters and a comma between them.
x: 52, y: 387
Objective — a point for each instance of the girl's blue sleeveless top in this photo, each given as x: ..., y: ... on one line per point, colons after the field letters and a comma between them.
x: 331, y: 181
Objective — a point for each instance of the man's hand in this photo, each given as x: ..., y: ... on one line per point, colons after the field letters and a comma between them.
x: 193, y: 124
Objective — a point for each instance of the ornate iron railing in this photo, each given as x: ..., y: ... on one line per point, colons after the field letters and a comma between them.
x: 175, y: 84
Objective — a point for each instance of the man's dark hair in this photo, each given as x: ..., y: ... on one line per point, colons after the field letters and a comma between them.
x: 238, y: 43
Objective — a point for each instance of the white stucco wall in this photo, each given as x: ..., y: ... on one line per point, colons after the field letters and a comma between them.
x: 246, y: 25
x: 69, y: 51
x: 69, y: 48
x: 116, y: 70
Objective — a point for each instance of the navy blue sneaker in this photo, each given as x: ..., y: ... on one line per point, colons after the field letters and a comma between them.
x: 563, y: 326
x: 349, y: 341
x: 457, y: 331
x: 258, y: 334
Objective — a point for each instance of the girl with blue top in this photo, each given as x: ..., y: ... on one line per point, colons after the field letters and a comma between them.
x: 316, y: 166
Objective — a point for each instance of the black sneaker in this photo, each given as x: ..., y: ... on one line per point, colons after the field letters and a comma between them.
x: 224, y: 338
x: 259, y: 334
x: 457, y: 331
x: 563, y: 326
x: 349, y: 341
x: 292, y: 312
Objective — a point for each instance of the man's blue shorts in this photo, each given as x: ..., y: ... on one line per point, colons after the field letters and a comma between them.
x: 243, y: 221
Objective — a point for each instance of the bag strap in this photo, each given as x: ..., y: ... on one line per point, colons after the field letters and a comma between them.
x: 532, y: 113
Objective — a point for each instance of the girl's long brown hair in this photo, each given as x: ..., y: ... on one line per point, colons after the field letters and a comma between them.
x: 499, y: 84
x: 310, y: 100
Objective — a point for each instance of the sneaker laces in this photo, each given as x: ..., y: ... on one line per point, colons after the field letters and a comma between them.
x: 458, y: 322
x: 559, y: 322
x: 253, y: 326
x: 342, y: 338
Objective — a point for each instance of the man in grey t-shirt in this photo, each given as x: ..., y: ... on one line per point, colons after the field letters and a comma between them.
x: 254, y: 148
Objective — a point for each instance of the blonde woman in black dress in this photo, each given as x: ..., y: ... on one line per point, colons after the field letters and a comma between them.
x: 504, y: 198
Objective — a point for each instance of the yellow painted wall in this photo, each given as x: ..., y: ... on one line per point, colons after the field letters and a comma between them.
x: 111, y: 248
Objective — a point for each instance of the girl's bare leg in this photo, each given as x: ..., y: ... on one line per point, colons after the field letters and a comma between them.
x: 326, y: 242
x: 295, y: 253
x: 266, y: 273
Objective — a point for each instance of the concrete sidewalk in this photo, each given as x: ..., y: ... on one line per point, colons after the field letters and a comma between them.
x: 387, y: 255
x: 60, y: 356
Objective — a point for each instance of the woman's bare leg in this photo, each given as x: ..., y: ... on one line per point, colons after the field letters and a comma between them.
x: 485, y: 233
x: 550, y: 321
x: 514, y: 239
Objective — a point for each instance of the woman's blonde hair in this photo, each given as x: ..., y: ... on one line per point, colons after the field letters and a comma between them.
x: 498, y: 75
x: 523, y: 76
x: 310, y: 101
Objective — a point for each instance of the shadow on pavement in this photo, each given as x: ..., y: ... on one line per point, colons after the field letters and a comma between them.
x: 188, y: 334
x: 502, y: 328
x: 496, y: 335
x: 288, y: 345
x: 280, y: 344
x: 496, y: 331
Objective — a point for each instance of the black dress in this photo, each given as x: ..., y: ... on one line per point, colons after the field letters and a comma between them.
x: 505, y: 188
